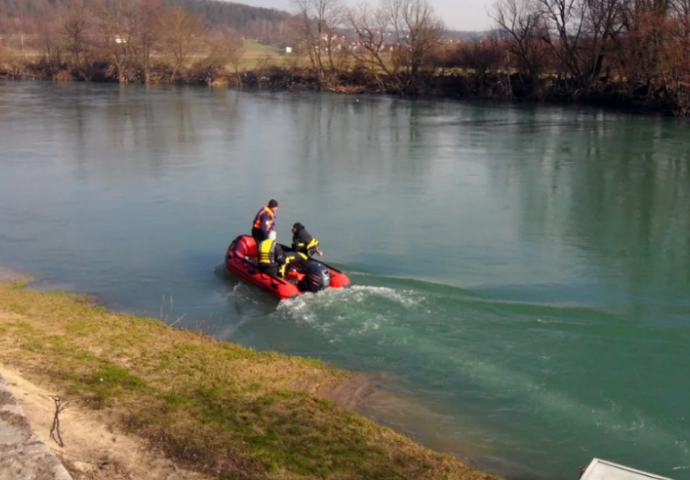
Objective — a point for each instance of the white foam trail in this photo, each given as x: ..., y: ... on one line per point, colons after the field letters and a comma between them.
x: 356, y: 294
x: 407, y: 298
x: 306, y: 307
x: 323, y: 310
x: 370, y: 324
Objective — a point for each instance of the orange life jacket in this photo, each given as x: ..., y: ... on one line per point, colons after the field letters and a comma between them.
x: 257, y: 219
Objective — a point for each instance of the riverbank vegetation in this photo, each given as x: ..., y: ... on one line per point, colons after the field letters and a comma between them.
x: 625, y: 53
x: 211, y: 406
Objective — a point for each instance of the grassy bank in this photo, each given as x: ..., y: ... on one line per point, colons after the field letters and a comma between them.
x: 211, y: 406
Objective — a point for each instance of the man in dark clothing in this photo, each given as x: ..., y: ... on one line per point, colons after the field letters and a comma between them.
x: 264, y: 222
x: 303, y: 242
x: 271, y: 256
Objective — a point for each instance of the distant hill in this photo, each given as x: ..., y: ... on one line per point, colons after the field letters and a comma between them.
x: 25, y: 8
x: 468, y: 36
x: 234, y: 15
x: 214, y: 12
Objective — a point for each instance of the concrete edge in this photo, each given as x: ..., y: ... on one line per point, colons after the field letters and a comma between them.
x: 22, y: 454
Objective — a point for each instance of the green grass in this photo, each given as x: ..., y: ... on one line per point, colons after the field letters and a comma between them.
x: 211, y: 406
x: 256, y: 50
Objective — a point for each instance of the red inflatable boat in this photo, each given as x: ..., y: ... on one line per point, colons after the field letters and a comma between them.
x: 241, y: 261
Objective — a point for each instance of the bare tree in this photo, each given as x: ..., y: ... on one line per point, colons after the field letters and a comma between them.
x: 681, y: 34
x: 179, y: 32
x: 118, y: 25
x: 523, y: 30
x: 579, y: 34
x: 681, y: 13
x: 679, y: 51
x: 371, y: 26
x: 234, y: 52
x: 225, y: 47
x: 74, y: 32
x: 48, y: 42
x: 148, y: 32
x: 397, y: 38
x: 320, y: 21
x: 416, y: 31
x: 643, y: 39
x: 481, y: 56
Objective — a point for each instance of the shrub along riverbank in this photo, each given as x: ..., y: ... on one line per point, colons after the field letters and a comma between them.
x: 211, y: 406
x: 443, y: 84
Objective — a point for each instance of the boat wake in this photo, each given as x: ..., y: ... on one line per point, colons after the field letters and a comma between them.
x: 469, y: 351
x: 357, y: 294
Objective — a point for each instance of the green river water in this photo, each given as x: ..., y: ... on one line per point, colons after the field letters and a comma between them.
x: 521, y: 275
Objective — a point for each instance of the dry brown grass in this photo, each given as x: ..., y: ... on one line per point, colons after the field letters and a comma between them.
x: 211, y: 406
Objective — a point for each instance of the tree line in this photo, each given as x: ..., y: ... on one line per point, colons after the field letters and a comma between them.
x: 622, y: 52
x: 121, y: 40
x: 639, y: 47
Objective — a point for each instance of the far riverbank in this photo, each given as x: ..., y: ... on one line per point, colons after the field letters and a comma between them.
x: 467, y: 85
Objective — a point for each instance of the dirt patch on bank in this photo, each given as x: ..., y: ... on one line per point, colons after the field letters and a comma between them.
x: 93, y: 448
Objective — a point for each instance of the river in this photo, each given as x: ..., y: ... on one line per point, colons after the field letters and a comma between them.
x: 521, y: 274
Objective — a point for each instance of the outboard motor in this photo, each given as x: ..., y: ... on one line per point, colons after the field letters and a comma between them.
x: 318, y: 277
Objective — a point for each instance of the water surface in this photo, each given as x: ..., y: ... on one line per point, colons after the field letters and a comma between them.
x: 521, y: 274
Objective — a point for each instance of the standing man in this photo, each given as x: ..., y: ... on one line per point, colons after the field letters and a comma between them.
x: 264, y: 222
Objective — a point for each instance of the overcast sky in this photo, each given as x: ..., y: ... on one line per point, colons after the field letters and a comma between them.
x: 457, y: 14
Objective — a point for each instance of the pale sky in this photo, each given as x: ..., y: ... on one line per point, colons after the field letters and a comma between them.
x: 467, y: 15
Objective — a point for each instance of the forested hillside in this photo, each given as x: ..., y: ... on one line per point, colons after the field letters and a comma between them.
x: 264, y: 24
x: 235, y: 15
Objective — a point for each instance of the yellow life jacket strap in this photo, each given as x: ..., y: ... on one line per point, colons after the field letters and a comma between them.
x: 296, y: 256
